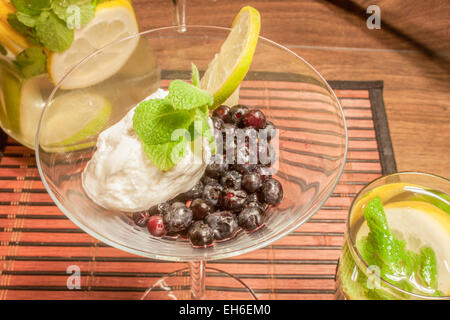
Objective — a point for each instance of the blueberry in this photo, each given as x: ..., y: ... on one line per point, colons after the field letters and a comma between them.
x: 250, y: 218
x: 160, y: 209
x: 195, y: 192
x: 231, y: 179
x: 156, y: 226
x: 200, y: 209
x: 221, y: 112
x: 208, y: 180
x: 266, y: 154
x: 223, y: 223
x: 236, y: 114
x: 252, y: 197
x: 263, y: 172
x: 178, y: 218
x: 270, y: 130
x: 201, y: 234
x: 256, y: 204
x: 244, y: 168
x: 211, y: 193
x: 217, y: 123
x: 271, y: 191
x: 229, y: 129
x: 233, y: 200
x: 255, y: 119
x: 251, y: 182
x: 141, y: 218
x: 215, y: 170
x: 246, y: 158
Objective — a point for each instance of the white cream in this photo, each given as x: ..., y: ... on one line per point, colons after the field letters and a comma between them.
x: 120, y: 177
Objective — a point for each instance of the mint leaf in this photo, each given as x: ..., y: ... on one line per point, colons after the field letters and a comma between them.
x: 27, y: 32
x: 27, y: 20
x: 31, y: 62
x: 31, y: 7
x: 384, y: 249
x: 427, y: 267
x: 184, y: 96
x: 53, y: 32
x: 75, y: 13
x: 3, y: 50
x: 165, y: 156
x: 155, y: 121
x: 195, y: 76
x: 199, y: 125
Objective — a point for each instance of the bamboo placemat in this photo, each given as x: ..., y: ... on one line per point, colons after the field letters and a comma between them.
x: 38, y: 243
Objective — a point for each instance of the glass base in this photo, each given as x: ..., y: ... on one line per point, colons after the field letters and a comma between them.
x: 219, y: 285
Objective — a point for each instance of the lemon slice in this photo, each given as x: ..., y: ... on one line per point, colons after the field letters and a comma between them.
x: 33, y: 96
x: 421, y: 224
x: 113, y: 20
x: 10, y: 85
x: 73, y: 120
x: 229, y: 67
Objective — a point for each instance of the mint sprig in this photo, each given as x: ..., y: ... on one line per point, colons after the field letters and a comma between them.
x: 155, y: 121
x: 67, y: 10
x: 184, y: 96
x: 51, y: 23
x: 53, y: 32
x: 195, y: 76
x: 165, y: 126
x: 382, y: 248
x: 31, y: 62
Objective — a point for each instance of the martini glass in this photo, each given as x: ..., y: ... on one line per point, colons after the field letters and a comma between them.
x: 312, y: 149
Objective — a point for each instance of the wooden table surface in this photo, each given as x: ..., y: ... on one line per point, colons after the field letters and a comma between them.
x: 410, y: 53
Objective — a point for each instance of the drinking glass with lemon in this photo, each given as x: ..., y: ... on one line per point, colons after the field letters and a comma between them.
x: 397, y: 244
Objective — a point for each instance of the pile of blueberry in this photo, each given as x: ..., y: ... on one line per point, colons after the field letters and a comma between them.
x: 229, y: 197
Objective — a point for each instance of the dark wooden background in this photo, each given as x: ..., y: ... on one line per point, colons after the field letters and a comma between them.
x: 410, y: 53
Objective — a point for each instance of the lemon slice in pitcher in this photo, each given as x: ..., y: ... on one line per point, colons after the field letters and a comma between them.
x: 72, y: 121
x: 229, y: 67
x: 113, y: 20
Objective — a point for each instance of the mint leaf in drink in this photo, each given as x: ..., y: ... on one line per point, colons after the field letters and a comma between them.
x: 195, y: 76
x: 382, y: 247
x: 184, y: 96
x: 53, y: 32
x: 27, y: 20
x: 155, y: 121
x: 76, y: 13
x: 427, y: 267
x: 3, y: 50
x: 31, y: 62
x: 27, y: 32
x: 166, y: 155
x: 31, y: 7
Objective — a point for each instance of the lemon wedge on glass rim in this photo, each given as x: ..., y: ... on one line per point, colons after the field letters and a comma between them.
x: 113, y: 20
x: 229, y: 67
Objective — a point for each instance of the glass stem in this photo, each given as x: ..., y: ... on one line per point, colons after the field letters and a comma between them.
x: 197, y: 271
x: 180, y: 14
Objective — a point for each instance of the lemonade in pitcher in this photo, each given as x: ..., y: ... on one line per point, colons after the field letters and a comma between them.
x: 42, y: 40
